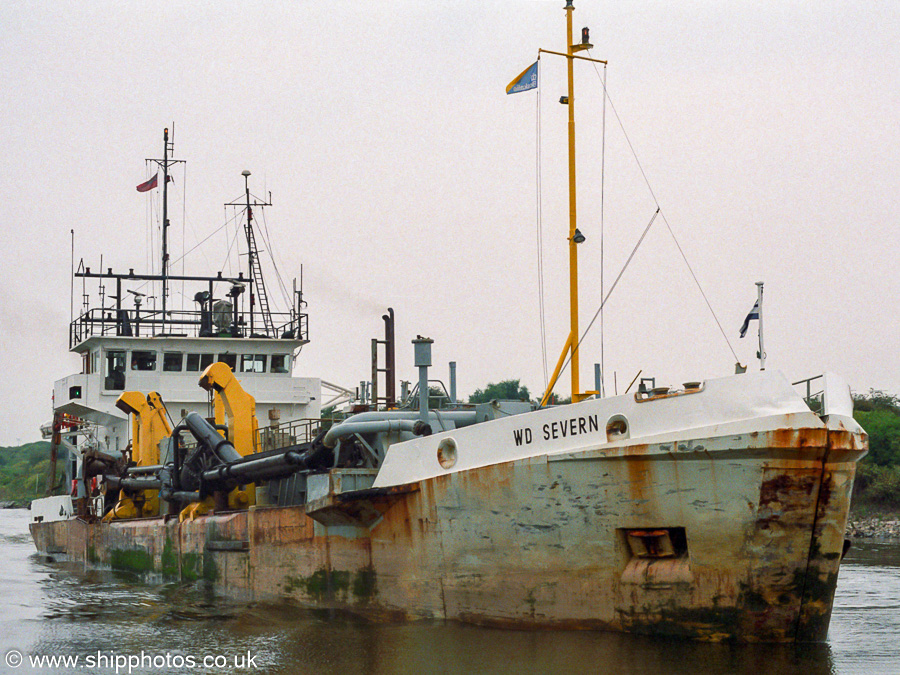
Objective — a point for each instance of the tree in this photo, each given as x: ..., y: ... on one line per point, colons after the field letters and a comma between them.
x: 876, y: 400
x: 507, y: 390
x: 879, y: 415
x: 437, y: 398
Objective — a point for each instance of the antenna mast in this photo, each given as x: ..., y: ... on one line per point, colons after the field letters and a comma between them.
x: 165, y: 163
x: 256, y: 283
x: 575, y: 235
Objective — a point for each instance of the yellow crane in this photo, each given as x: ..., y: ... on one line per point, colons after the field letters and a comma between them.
x: 149, y: 427
x: 232, y: 405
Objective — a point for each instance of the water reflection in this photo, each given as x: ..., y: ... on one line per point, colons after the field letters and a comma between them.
x: 56, y: 608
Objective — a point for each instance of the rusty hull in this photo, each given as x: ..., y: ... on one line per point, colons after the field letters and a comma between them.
x: 541, y: 542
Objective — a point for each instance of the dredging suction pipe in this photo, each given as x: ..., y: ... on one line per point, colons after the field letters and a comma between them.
x: 348, y: 428
x: 258, y: 469
x: 385, y: 422
x: 206, y: 434
x: 129, y: 483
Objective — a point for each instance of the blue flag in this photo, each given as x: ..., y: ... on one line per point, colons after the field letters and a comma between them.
x: 528, y: 79
x: 754, y: 314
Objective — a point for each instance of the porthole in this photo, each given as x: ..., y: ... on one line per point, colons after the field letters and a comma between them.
x: 617, y: 428
x: 446, y: 453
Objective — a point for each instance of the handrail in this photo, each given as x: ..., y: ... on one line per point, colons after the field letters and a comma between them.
x: 187, y: 323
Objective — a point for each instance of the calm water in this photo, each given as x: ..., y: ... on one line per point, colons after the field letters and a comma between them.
x: 51, y: 610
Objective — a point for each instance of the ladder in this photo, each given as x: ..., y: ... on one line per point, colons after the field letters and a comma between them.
x: 256, y: 269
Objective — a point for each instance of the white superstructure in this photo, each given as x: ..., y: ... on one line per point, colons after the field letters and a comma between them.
x: 172, y: 366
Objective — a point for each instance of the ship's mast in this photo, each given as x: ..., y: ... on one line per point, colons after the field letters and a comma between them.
x: 165, y: 226
x: 256, y: 282
x: 573, y: 244
x: 250, y: 247
x: 164, y: 164
x: 570, y: 349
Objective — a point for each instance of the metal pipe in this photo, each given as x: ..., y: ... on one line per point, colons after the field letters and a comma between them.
x: 255, y: 468
x: 134, y: 470
x: 136, y: 483
x: 423, y: 393
x: 453, y: 382
x: 762, y: 349
x: 349, y: 427
x: 461, y: 418
x: 206, y: 434
x: 167, y: 494
x: 375, y: 373
x: 422, y: 347
x: 390, y: 370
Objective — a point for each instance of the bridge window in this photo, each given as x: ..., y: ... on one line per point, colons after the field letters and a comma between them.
x: 253, y: 363
x: 172, y: 362
x: 115, y: 371
x: 229, y: 360
x: 198, y: 362
x: 141, y: 360
x: 280, y: 363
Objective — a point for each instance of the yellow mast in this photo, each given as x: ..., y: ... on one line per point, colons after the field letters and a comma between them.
x: 575, y: 237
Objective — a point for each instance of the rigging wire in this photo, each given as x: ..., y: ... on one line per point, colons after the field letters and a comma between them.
x: 271, y: 251
x: 602, y: 257
x: 155, y: 239
x: 611, y: 289
x: 540, y: 234
x: 606, y: 96
x: 152, y: 210
x: 183, y: 220
x: 237, y: 231
x: 148, y: 219
x: 198, y: 244
x: 184, y: 254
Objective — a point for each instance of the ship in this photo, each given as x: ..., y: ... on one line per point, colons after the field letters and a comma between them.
x: 714, y: 510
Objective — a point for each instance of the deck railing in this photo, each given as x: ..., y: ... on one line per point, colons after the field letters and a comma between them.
x: 182, y: 323
x: 814, y: 395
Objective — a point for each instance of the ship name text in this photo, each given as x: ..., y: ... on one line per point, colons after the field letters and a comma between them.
x: 574, y: 426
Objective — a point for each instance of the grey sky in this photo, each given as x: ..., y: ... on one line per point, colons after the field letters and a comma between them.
x: 403, y: 176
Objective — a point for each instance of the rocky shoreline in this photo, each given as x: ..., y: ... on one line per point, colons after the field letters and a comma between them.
x: 880, y: 527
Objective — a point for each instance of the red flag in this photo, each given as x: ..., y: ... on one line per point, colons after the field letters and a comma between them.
x: 149, y: 185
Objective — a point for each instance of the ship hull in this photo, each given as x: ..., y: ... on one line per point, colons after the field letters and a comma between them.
x: 548, y: 541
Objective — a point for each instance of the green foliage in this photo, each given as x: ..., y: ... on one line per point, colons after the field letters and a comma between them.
x: 883, y: 428
x: 878, y: 474
x: 877, y: 485
x: 24, y: 470
x: 876, y: 400
x: 507, y: 390
x: 437, y: 398
x: 879, y: 414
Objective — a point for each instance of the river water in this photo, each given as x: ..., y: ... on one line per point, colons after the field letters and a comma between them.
x: 113, y: 623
